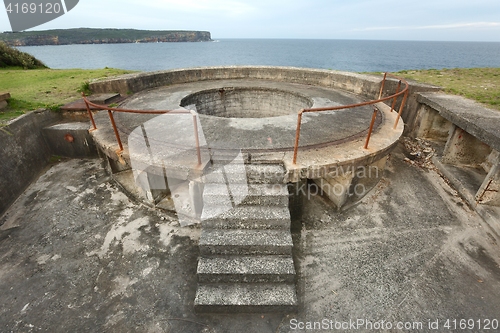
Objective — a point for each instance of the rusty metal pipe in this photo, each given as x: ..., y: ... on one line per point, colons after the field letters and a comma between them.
x: 370, y: 130
x: 405, y: 97
x: 297, y: 136
x: 91, y: 116
x: 104, y: 107
x: 351, y: 106
x: 397, y: 94
x: 396, y: 98
x: 382, y: 86
x: 110, y: 113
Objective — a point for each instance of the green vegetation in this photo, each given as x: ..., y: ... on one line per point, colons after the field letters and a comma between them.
x: 46, y: 88
x: 95, y: 36
x: 480, y: 84
x: 12, y: 57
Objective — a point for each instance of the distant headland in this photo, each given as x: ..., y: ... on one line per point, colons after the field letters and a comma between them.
x: 101, y: 36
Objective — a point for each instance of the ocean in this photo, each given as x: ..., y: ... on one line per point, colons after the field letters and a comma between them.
x: 345, y: 55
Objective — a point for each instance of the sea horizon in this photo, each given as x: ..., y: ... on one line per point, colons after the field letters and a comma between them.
x: 340, y: 54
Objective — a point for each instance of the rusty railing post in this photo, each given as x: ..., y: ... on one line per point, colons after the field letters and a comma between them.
x: 405, y: 97
x: 91, y: 116
x: 396, y: 98
x: 297, y: 135
x: 110, y: 113
x: 370, y: 130
x: 382, y: 86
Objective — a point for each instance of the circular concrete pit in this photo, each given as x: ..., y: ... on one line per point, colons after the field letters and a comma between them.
x: 246, y: 102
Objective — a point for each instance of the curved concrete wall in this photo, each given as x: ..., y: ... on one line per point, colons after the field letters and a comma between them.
x: 364, y: 85
x: 131, y: 83
x: 24, y: 154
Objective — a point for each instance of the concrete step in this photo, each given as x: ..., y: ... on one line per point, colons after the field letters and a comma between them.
x: 246, y: 217
x: 252, y: 194
x: 246, y: 174
x: 226, y: 156
x: 245, y: 242
x: 246, y: 269
x: 245, y: 298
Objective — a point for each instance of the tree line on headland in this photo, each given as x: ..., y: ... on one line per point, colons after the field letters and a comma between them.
x: 101, y: 36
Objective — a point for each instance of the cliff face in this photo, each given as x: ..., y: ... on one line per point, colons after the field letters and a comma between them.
x: 35, y: 40
x: 101, y: 36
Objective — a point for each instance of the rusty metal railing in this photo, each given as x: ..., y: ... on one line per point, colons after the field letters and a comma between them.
x: 394, y: 97
x: 111, y: 112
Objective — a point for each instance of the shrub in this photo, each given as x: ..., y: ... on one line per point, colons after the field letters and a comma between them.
x: 11, y: 57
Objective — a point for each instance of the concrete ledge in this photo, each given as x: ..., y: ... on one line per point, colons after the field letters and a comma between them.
x: 472, y: 117
x: 469, y: 136
x: 70, y: 140
x: 3, y: 100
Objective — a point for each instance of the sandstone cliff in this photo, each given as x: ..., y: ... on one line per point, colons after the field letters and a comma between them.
x: 101, y: 36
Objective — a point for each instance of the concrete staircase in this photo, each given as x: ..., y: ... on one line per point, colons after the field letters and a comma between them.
x: 245, y: 262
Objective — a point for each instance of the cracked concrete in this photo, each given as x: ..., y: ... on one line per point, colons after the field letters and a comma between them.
x: 78, y: 255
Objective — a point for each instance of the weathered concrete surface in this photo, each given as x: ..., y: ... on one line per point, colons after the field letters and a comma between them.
x: 410, y: 111
x: 77, y: 255
x: 23, y: 154
x: 70, y: 140
x: 472, y: 117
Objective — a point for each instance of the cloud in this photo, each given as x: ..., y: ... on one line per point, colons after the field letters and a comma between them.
x: 230, y: 8
x: 470, y: 25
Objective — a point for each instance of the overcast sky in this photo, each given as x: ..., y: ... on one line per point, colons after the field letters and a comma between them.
x: 450, y: 20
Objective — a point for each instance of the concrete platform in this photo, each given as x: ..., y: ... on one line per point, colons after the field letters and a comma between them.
x: 101, y: 99
x: 328, y: 139
x: 78, y: 255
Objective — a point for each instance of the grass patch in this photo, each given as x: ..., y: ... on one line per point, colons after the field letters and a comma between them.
x: 46, y: 88
x: 479, y: 84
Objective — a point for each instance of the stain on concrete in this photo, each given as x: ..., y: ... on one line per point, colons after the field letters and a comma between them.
x: 77, y: 255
